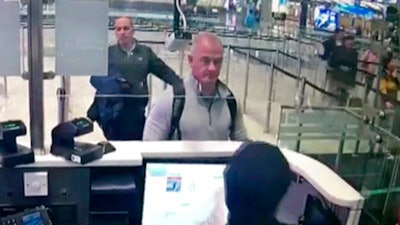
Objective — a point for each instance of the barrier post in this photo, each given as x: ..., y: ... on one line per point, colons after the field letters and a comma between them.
x: 366, y: 91
x: 298, y: 62
x: 301, y: 91
x: 181, y: 58
x: 299, y: 103
x: 228, y: 64
x: 246, y: 84
x: 150, y: 93
x: 270, y: 95
x: 63, y: 94
x: 377, y: 93
x: 5, y: 86
x: 35, y: 68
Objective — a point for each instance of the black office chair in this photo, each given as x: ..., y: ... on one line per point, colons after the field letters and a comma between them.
x: 114, y: 198
x: 316, y: 213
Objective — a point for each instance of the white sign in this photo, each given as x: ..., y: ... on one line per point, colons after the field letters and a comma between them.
x: 81, y: 37
x: 10, y: 60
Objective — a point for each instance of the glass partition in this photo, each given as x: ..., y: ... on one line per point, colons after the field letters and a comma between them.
x: 264, y: 70
x: 353, y: 143
x: 291, y: 51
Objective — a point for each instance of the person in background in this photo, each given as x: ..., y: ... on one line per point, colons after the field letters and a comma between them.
x: 385, y: 59
x: 369, y: 64
x: 331, y: 43
x: 207, y: 113
x: 389, y: 85
x: 359, y: 31
x: 343, y: 70
x: 131, y: 62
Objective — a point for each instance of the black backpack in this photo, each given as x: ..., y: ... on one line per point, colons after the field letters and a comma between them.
x: 179, y: 103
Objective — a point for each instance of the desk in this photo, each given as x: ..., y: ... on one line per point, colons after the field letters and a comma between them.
x: 68, y: 182
x: 132, y: 154
x: 334, y: 188
x: 323, y: 179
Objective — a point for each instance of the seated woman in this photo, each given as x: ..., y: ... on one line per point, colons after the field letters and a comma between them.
x: 389, y: 85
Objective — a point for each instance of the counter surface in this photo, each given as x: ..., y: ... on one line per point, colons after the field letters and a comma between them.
x: 132, y: 153
x: 326, y: 181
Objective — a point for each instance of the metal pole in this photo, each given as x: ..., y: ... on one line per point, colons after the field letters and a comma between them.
x: 228, y: 64
x: 35, y: 66
x: 181, y: 58
x: 150, y: 94
x: 298, y: 61
x: 246, y: 84
x: 301, y: 92
x: 299, y: 102
x: 366, y: 91
x: 5, y: 87
x: 270, y: 95
x: 392, y: 183
x: 64, y: 98
x: 23, y: 49
x: 378, y: 81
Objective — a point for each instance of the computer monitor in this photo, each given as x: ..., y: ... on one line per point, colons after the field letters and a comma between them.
x: 184, y: 193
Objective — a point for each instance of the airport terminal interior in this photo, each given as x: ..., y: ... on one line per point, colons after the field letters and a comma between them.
x: 58, y: 166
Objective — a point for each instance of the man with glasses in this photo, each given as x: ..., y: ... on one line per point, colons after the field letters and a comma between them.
x: 130, y: 63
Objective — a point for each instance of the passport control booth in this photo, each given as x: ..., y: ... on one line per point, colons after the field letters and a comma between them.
x: 157, y: 183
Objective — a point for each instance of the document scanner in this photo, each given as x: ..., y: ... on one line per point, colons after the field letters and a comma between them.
x: 12, y: 154
x: 64, y: 145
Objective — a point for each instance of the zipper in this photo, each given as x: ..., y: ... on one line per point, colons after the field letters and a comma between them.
x: 209, y: 112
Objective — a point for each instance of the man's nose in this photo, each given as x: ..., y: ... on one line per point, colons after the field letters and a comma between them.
x: 212, y: 67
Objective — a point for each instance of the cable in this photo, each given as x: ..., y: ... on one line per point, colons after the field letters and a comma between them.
x: 178, y: 7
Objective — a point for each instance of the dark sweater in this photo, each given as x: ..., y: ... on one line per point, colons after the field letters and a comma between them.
x: 342, y: 57
x: 136, y: 66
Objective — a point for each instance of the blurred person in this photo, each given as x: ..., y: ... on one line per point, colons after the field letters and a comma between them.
x: 385, y: 59
x: 331, y: 43
x: 207, y: 111
x: 370, y: 61
x: 129, y: 63
x: 389, y: 85
x: 343, y: 70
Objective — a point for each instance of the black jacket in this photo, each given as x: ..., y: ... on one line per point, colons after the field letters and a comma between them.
x: 329, y: 45
x: 342, y: 57
x: 136, y: 65
x: 122, y: 118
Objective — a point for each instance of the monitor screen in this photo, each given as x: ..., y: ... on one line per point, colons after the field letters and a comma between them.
x: 190, y: 194
x: 325, y: 19
x: 32, y: 219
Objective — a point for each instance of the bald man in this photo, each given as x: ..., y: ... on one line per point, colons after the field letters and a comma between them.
x: 132, y: 61
x: 206, y: 113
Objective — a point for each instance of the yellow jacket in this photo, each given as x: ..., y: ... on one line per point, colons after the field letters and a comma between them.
x: 389, y: 86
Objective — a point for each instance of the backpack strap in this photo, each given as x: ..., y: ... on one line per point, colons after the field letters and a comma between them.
x: 232, y: 105
x: 177, y: 110
x: 179, y: 103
